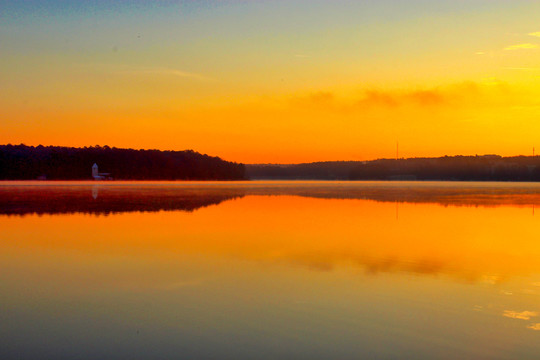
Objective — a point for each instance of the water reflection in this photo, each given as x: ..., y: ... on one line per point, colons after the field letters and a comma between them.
x: 482, y: 233
x: 18, y: 198
x: 270, y: 270
x: 55, y: 199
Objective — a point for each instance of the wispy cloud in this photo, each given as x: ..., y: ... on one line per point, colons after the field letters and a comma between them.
x: 523, y: 68
x: 524, y: 315
x: 537, y: 34
x: 395, y: 98
x: 321, y: 97
x: 524, y: 46
x: 417, y: 97
x: 126, y: 69
x: 488, y: 93
x: 534, y: 327
x: 172, y: 72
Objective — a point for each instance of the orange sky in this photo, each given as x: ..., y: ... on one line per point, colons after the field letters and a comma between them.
x: 280, y: 82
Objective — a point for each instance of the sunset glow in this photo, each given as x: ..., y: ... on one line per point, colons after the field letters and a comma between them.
x: 273, y: 81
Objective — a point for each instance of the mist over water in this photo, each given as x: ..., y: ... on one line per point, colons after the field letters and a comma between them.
x: 290, y: 270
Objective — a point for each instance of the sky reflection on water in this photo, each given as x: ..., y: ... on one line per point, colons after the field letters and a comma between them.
x: 270, y: 270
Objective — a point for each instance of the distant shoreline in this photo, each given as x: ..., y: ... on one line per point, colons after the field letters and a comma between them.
x: 448, y: 168
x: 53, y: 163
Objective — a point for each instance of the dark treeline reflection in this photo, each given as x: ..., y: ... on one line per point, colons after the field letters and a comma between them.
x: 102, y: 198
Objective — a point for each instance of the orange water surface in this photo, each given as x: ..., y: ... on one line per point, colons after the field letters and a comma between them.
x: 270, y: 270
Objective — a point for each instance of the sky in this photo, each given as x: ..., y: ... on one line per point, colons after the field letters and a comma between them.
x: 274, y: 81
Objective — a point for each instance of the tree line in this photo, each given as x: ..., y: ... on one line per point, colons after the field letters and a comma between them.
x: 457, y: 168
x: 22, y: 162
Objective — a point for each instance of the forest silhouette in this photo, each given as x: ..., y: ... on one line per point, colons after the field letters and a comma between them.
x: 453, y: 168
x: 21, y: 162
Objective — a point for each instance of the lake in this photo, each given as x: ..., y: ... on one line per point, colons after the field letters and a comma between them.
x: 269, y: 270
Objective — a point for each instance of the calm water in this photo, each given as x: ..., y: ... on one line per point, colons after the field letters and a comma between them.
x: 269, y: 270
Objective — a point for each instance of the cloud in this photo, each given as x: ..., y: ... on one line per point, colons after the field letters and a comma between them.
x: 422, y: 98
x: 150, y: 70
x: 418, y: 97
x: 534, y: 327
x: 537, y: 34
x: 464, y: 94
x: 146, y: 70
x: 492, y: 81
x: 427, y: 97
x: 491, y: 279
x: 172, y: 72
x: 523, y: 68
x: 375, y: 98
x: 321, y: 97
x: 521, y: 46
x: 524, y: 315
